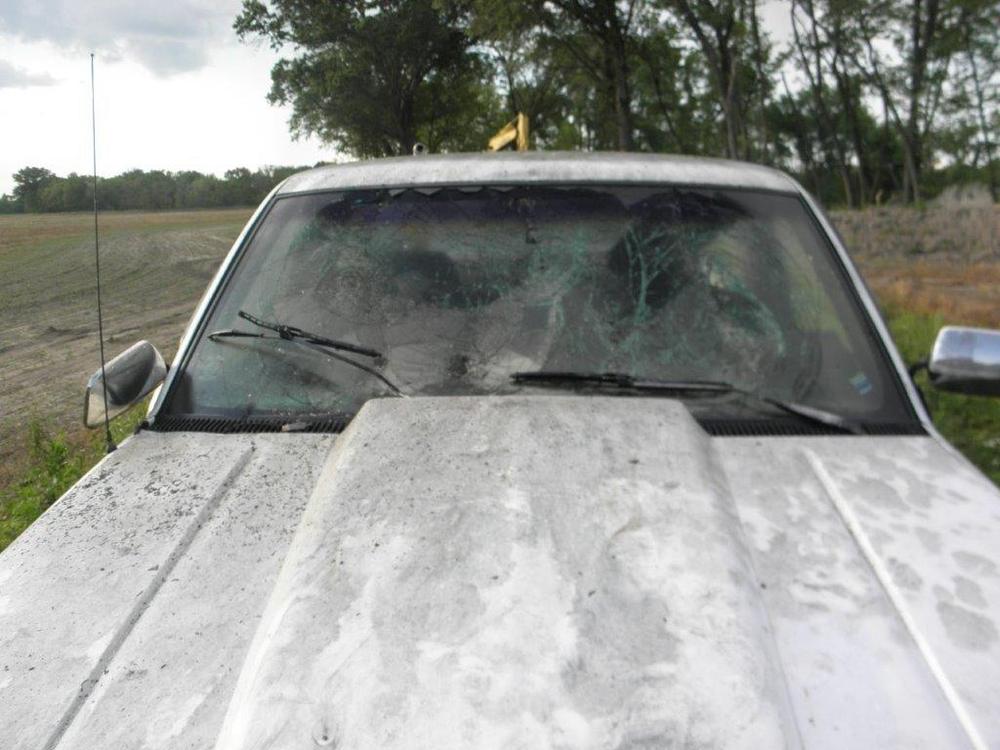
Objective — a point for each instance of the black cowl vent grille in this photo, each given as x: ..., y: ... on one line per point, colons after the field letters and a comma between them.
x: 714, y: 427
x: 228, y: 425
x: 779, y: 428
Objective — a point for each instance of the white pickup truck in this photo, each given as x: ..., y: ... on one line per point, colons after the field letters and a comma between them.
x: 520, y: 451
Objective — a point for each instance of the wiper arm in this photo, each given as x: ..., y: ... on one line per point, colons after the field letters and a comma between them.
x: 330, y: 347
x: 630, y: 382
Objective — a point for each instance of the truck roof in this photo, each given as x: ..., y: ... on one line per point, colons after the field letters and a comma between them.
x: 539, y: 167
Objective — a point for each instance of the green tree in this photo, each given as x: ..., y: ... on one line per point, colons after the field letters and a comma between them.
x: 240, y: 188
x: 737, y: 55
x: 589, y: 45
x: 373, y: 77
x: 978, y: 95
x: 912, y: 78
x: 72, y: 193
x: 28, y: 185
x: 9, y: 204
x: 676, y: 109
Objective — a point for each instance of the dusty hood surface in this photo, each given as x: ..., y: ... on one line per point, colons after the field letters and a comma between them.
x: 508, y: 572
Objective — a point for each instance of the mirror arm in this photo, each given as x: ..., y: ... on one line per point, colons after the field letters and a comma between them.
x: 915, y: 369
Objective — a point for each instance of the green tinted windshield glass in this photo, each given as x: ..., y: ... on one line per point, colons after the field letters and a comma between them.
x: 460, y: 288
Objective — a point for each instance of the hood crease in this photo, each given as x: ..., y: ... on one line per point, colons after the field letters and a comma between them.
x: 765, y: 615
x: 143, y: 600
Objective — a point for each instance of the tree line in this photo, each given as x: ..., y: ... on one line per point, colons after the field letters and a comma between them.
x: 37, y: 189
x: 865, y: 100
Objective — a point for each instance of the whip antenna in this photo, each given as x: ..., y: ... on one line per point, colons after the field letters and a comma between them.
x: 109, y: 443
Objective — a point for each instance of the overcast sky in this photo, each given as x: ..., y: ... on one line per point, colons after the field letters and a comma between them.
x: 175, y: 89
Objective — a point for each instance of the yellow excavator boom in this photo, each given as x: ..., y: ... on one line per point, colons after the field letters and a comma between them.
x: 515, y: 131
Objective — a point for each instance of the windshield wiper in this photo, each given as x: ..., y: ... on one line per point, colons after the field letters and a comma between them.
x: 630, y: 382
x: 330, y: 347
x: 291, y: 333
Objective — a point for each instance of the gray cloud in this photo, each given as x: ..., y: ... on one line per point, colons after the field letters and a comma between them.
x: 169, y: 56
x: 166, y: 36
x: 18, y: 78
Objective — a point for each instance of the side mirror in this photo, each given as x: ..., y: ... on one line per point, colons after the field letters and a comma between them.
x: 966, y: 360
x: 130, y: 376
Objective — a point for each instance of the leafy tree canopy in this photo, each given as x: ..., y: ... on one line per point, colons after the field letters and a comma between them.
x: 28, y: 185
x: 373, y: 77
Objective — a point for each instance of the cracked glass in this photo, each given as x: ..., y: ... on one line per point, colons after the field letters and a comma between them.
x: 460, y: 288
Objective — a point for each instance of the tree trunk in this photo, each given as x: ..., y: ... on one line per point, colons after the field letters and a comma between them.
x: 719, y: 54
x: 911, y: 172
x: 983, y: 122
x: 846, y: 94
x: 845, y: 178
x: 810, y: 57
x: 727, y: 82
x: 615, y: 48
x: 758, y: 60
x: 839, y: 66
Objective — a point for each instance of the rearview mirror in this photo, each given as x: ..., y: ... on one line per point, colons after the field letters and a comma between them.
x: 966, y: 360
x: 130, y: 376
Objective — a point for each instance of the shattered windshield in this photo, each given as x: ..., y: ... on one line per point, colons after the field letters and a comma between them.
x: 457, y: 289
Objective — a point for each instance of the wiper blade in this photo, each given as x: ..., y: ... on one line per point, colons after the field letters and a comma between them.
x: 290, y: 333
x: 619, y: 380
x: 330, y: 347
x: 630, y: 382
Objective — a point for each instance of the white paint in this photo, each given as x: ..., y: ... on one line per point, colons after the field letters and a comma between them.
x: 439, y: 597
x: 567, y: 167
x: 891, y: 591
x: 406, y: 643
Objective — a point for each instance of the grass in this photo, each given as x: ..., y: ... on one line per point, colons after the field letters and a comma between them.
x: 29, y: 231
x: 970, y: 423
x: 960, y: 293
x: 52, y: 464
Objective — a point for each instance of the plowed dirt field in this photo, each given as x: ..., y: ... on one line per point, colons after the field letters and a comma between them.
x: 154, y: 268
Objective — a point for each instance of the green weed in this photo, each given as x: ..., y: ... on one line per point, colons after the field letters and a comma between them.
x: 54, y: 462
x: 970, y: 423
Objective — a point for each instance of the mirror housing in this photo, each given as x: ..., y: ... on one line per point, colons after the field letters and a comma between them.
x: 966, y: 360
x: 130, y: 376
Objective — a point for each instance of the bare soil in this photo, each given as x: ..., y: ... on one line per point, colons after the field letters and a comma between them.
x: 937, y: 260
x: 154, y: 269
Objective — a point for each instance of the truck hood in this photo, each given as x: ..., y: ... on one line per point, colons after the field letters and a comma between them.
x: 542, y: 572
